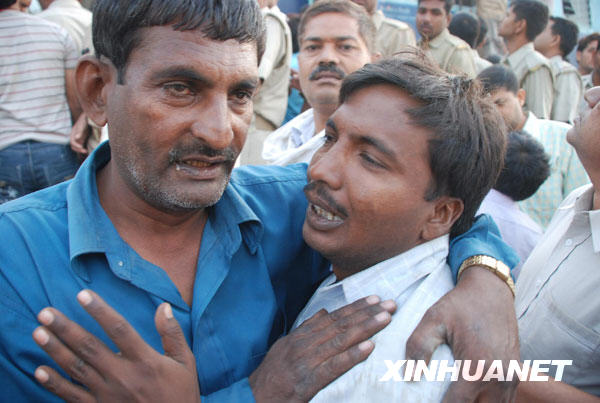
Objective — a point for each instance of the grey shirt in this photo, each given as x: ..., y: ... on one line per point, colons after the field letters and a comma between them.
x: 558, y: 293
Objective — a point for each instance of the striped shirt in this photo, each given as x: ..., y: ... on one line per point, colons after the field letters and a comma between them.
x: 34, y: 55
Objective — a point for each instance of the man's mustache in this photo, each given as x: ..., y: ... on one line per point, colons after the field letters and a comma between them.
x: 181, y: 152
x: 326, y: 68
x: 320, y: 189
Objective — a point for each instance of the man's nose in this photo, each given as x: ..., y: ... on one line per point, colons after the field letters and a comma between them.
x: 327, y: 167
x: 213, y: 123
x: 329, y: 54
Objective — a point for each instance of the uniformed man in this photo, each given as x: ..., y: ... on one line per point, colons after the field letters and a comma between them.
x: 450, y: 52
x: 525, y: 20
x: 555, y: 43
x: 270, y: 102
x: 471, y: 29
x: 392, y: 36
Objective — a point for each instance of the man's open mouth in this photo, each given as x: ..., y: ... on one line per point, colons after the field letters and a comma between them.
x: 322, y: 213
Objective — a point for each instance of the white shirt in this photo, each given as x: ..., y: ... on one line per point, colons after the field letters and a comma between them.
x: 558, y: 299
x: 73, y: 17
x: 518, y: 230
x: 415, y: 279
x: 293, y: 142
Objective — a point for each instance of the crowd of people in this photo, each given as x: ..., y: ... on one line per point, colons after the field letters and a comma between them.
x: 296, y: 200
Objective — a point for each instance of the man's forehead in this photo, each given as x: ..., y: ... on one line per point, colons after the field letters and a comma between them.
x: 432, y: 4
x: 314, y: 26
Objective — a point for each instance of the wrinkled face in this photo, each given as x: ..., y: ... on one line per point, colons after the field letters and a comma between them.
x: 510, y: 107
x: 546, y: 40
x: 508, y: 25
x: 584, y: 136
x: 330, y: 49
x: 369, y: 5
x: 180, y: 119
x: 432, y: 18
x: 367, y: 183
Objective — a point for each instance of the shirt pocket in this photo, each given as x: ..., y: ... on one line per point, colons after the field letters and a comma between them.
x: 547, y: 332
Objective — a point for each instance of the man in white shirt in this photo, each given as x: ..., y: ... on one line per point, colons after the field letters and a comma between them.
x: 557, y: 299
x: 566, y: 171
x: 336, y: 38
x: 397, y: 174
x: 556, y: 41
x: 73, y: 17
x: 525, y: 168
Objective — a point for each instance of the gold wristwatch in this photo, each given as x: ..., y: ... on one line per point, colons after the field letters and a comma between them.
x: 489, y: 263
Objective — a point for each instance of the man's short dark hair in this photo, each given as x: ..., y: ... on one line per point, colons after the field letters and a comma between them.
x: 6, y: 3
x: 468, y: 136
x: 466, y: 26
x: 116, y: 24
x: 483, y: 30
x: 568, y: 33
x: 586, y: 40
x: 447, y: 5
x: 496, y: 77
x: 526, y: 167
x: 535, y: 14
x: 366, y: 28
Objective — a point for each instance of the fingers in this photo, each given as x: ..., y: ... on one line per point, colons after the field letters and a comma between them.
x: 427, y: 336
x: 173, y: 340
x: 70, y: 345
x: 116, y: 327
x: 53, y: 382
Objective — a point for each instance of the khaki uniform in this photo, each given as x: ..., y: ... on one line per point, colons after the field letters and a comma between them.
x: 568, y: 90
x: 451, y: 53
x: 392, y: 35
x: 270, y: 103
x: 535, y: 77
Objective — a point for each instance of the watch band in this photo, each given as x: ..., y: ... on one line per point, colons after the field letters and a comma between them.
x: 493, y: 265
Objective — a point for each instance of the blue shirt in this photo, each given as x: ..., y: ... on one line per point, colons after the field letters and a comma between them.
x: 254, y: 275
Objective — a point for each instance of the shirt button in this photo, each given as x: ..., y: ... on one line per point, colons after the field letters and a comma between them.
x: 120, y: 263
x: 569, y: 242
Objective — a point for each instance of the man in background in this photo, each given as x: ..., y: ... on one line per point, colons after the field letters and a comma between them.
x: 525, y: 20
x: 566, y: 172
x: 472, y: 30
x: 392, y: 36
x: 586, y: 49
x: 525, y: 168
x: 38, y: 103
x: 556, y: 41
x: 270, y: 103
x: 449, y: 52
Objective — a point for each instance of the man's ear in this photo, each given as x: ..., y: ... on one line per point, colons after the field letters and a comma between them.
x: 521, y: 95
x: 446, y: 211
x: 520, y: 26
x: 92, y: 78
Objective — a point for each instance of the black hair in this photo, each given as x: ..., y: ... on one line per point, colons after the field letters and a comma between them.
x: 498, y: 76
x: 526, y: 167
x: 466, y: 26
x: 568, y: 32
x: 585, y: 41
x: 116, y: 24
x: 535, y: 14
x: 483, y: 30
x: 6, y: 3
x: 447, y: 5
x: 468, y: 135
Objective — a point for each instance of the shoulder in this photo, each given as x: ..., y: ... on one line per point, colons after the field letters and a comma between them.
x: 536, y: 61
x: 395, y: 24
x: 457, y: 43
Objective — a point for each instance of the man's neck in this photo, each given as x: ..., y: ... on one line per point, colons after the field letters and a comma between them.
x: 320, y: 114
x: 515, y: 43
x: 550, y: 53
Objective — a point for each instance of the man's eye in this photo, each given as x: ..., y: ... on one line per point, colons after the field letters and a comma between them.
x: 310, y: 47
x: 329, y: 139
x: 178, y: 89
x: 369, y: 160
x: 243, y: 96
x: 347, y: 47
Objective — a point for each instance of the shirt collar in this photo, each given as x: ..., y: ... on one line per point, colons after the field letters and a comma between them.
x: 531, y: 125
x: 515, y: 58
x: 497, y: 197
x: 393, y: 276
x: 91, y: 231
x: 377, y: 19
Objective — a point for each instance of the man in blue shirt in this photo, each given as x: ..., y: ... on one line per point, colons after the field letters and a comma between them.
x: 154, y: 217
